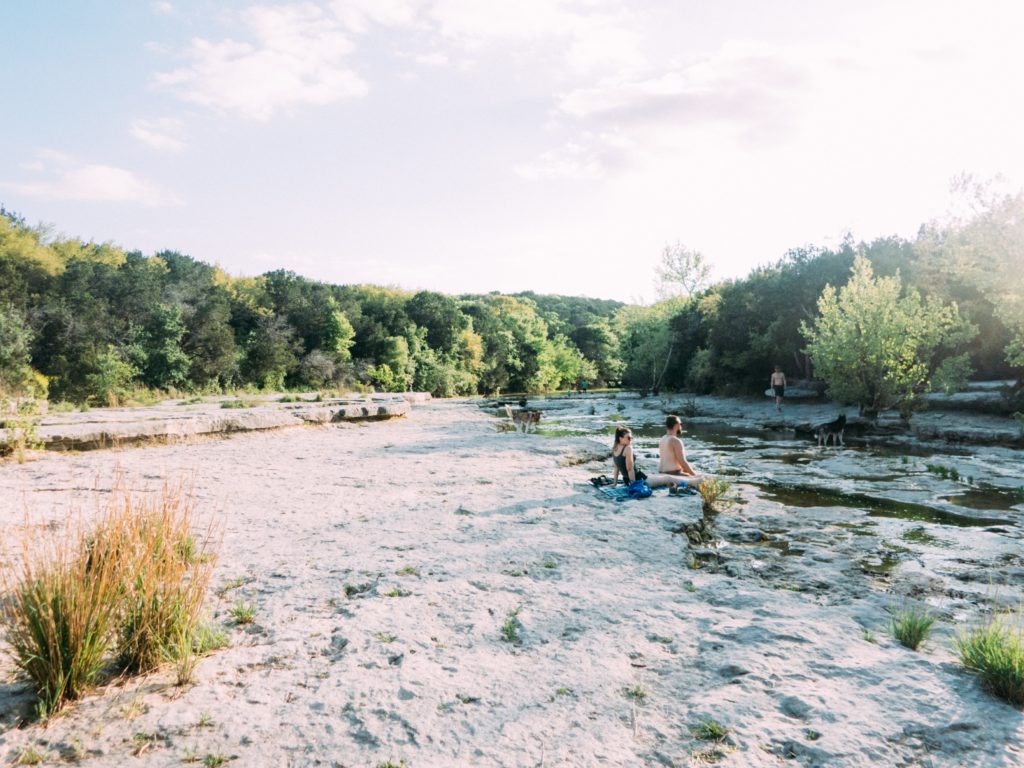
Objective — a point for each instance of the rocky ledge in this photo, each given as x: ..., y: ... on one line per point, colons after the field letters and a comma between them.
x: 174, y: 420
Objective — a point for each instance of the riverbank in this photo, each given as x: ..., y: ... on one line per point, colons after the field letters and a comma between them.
x: 441, y: 590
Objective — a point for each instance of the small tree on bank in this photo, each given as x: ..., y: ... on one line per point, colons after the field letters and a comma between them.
x: 878, y: 349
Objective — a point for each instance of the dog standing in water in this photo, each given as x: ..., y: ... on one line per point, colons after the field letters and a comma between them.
x: 524, y: 421
x: 833, y: 429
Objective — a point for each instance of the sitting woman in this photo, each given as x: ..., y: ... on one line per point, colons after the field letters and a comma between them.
x: 625, y: 463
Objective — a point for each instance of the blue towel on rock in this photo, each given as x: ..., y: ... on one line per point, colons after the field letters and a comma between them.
x: 621, y: 492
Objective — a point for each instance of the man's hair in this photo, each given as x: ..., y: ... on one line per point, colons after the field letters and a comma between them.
x: 672, y: 421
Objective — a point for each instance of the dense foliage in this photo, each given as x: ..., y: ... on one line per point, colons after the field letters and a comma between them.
x: 881, y: 347
x: 100, y: 323
x: 97, y: 323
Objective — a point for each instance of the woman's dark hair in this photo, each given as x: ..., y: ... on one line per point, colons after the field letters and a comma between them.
x: 620, y: 432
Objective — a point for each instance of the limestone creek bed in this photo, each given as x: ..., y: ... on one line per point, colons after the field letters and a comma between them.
x: 445, y: 592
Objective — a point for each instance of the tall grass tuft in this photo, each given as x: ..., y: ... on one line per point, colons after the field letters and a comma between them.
x: 995, y: 652
x: 130, y: 586
x: 911, y: 626
x: 62, y: 604
x: 164, y: 596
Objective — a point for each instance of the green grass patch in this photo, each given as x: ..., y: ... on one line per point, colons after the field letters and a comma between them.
x: 911, y: 626
x: 242, y: 612
x: 635, y: 692
x: 995, y: 652
x: 511, y: 627
x: 711, y: 730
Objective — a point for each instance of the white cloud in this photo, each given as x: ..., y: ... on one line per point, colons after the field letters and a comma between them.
x: 359, y: 15
x: 592, y: 36
x: 68, y: 179
x: 433, y: 59
x: 592, y: 157
x: 745, y: 85
x: 163, y: 134
x: 297, y: 56
x: 163, y: 8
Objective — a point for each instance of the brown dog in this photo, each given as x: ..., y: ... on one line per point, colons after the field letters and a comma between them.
x: 524, y: 421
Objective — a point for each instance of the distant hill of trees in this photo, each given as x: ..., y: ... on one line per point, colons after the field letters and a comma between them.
x: 94, y: 322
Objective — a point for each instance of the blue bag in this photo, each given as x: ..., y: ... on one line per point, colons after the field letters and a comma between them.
x: 638, y: 489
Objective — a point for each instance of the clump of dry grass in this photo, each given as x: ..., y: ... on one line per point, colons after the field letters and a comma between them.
x: 164, y: 596
x: 130, y: 586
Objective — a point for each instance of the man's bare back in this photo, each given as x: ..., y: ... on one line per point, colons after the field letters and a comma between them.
x: 672, y: 456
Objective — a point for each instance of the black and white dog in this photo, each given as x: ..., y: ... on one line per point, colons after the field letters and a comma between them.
x: 833, y: 429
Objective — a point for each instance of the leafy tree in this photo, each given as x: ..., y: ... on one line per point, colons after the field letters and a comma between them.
x: 15, y: 360
x: 272, y: 352
x: 317, y: 369
x: 442, y: 318
x: 681, y: 272
x: 757, y: 319
x: 978, y: 258
x: 598, y: 343
x: 514, y: 338
x: 166, y: 364
x: 210, y: 343
x: 648, y: 344
x: 110, y: 378
x: 877, y: 346
x: 562, y: 365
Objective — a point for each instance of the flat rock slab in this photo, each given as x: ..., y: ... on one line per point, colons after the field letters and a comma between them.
x: 177, y: 420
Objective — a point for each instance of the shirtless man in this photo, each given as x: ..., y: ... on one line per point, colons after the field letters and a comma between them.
x: 778, y: 383
x: 672, y: 454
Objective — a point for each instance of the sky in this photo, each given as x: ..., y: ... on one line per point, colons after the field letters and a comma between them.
x: 467, y: 146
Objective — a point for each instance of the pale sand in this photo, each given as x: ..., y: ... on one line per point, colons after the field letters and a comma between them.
x: 494, y: 522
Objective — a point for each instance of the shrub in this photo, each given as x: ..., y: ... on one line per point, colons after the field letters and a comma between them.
x: 19, y: 420
x: 712, y: 489
x: 911, y: 626
x: 995, y: 652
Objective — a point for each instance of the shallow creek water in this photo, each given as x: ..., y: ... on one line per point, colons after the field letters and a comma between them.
x: 837, y: 520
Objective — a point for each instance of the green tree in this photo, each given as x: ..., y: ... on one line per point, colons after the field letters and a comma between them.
x: 111, y: 376
x: 166, y: 364
x: 210, y: 343
x: 515, y: 339
x: 598, y: 343
x: 648, y: 345
x: 878, y: 346
x: 272, y: 352
x: 15, y: 359
x: 982, y: 251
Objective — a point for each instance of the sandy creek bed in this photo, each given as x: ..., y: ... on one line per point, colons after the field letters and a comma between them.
x: 767, y: 636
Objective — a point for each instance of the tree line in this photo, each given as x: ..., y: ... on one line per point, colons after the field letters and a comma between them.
x: 881, y: 322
